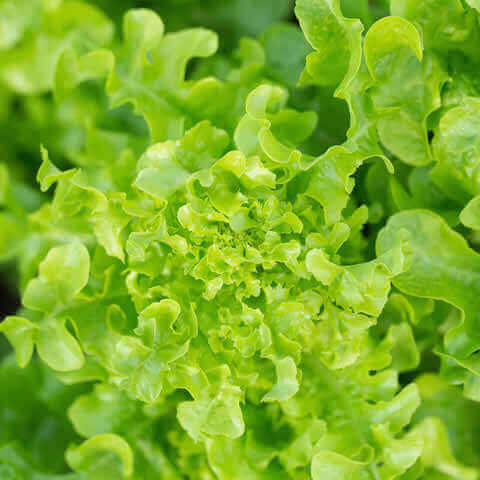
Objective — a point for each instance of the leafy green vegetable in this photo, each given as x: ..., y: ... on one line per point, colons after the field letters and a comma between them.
x: 245, y: 257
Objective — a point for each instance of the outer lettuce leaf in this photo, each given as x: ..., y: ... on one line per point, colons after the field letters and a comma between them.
x: 445, y: 25
x: 455, y: 152
x: 458, y: 414
x: 156, y: 84
x: 63, y: 274
x: 28, y: 68
x: 337, y: 41
x: 407, y: 87
x: 437, y: 272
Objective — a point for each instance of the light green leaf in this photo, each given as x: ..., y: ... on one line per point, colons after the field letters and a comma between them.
x: 62, y: 275
x: 103, y: 411
x: 443, y: 265
x: 338, y: 41
x: 470, y: 215
x: 443, y: 22
x: 287, y: 383
x: 20, y: 333
x: 335, y: 466
x: 58, y: 348
x: 474, y: 4
x: 220, y: 415
x: 437, y: 454
x: 386, y: 36
x: 455, y: 147
x: 97, y: 457
x: 322, y: 269
x: 30, y: 67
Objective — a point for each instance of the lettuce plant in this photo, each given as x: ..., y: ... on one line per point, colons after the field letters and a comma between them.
x: 257, y: 265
